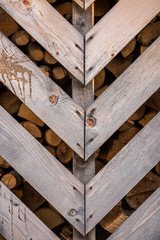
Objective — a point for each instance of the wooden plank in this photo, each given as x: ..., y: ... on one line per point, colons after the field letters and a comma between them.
x: 108, y: 37
x: 34, y: 88
x: 144, y: 223
x: 51, y: 30
x: 123, y: 97
x: 19, y: 222
x: 123, y: 172
x: 38, y: 166
x: 84, y: 96
x: 84, y: 3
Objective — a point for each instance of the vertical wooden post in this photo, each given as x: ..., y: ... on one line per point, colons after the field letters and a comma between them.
x: 84, y: 96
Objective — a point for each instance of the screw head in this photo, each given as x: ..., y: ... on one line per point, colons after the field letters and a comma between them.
x: 73, y: 212
x: 90, y: 122
x: 53, y: 98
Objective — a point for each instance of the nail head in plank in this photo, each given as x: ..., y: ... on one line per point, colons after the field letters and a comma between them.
x: 45, y: 98
x: 124, y: 96
x: 112, y: 33
x: 123, y: 172
x: 51, y: 30
x: 43, y: 171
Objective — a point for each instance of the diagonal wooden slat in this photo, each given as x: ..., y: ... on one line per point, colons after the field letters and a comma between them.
x: 46, y: 174
x: 108, y: 37
x: 123, y: 97
x: 34, y: 88
x: 123, y: 172
x: 19, y: 222
x: 51, y: 30
x: 144, y: 223
x: 84, y: 3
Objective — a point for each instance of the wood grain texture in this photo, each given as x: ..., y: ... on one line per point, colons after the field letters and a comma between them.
x: 84, y: 96
x: 51, y: 30
x: 84, y: 3
x: 144, y: 223
x: 19, y: 222
x: 34, y: 88
x: 123, y: 172
x: 38, y: 166
x: 124, y: 96
x: 112, y: 33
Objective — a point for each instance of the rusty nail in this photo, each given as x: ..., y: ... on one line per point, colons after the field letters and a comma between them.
x: 91, y: 216
x: 91, y: 140
x: 26, y: 2
x: 57, y: 53
x: 90, y: 122
x: 78, y: 145
x: 77, y: 219
x: 93, y: 110
x: 73, y: 212
x: 74, y: 188
x: 53, y: 98
x: 112, y: 54
x: 91, y: 188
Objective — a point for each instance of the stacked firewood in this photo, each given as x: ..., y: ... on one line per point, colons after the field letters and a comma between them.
x: 54, y: 144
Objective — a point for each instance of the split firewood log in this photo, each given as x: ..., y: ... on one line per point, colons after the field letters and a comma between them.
x: 99, y: 165
x: 64, y: 153
x: 154, y: 101
x: 2, y: 238
x: 18, y: 192
x: 32, y: 128
x: 126, y: 136
x: 3, y: 163
x: 8, y: 26
x: 46, y: 70
x: 27, y: 114
x: 50, y: 218
x: 60, y: 75
x: 11, y: 179
x: 9, y: 102
x: 31, y: 198
x: 143, y: 48
x: 52, y: 138
x: 147, y: 118
x: 138, y: 114
x: 114, y: 218
x: 101, y: 8
x: 21, y: 38
x: 136, y: 200
x: 1, y: 172
x: 51, y: 150
x: 66, y: 233
x: 126, y: 125
x: 129, y: 48
x: 149, y: 33
x: 100, y: 91
x: 35, y: 52
x: 48, y: 59
x: 65, y: 9
x: 51, y: 1
x: 110, y: 149
x: 119, y: 64
x: 99, y: 79
x: 157, y: 168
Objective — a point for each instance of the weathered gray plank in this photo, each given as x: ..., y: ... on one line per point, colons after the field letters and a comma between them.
x: 144, y: 223
x: 46, y: 174
x: 108, y: 37
x: 34, y: 88
x: 123, y: 97
x: 84, y: 96
x: 19, y: 222
x: 51, y: 30
x: 123, y: 172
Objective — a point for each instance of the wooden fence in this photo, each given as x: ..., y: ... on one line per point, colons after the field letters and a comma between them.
x: 83, y: 49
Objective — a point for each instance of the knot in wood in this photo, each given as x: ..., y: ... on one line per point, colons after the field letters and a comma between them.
x: 26, y: 2
x: 91, y: 122
x: 73, y: 212
x: 53, y: 98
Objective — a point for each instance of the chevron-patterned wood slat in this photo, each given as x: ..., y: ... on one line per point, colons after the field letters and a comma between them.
x: 84, y: 124
x: 15, y: 215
